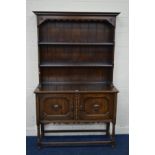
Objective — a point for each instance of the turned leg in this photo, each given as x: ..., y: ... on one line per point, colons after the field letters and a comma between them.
x: 107, y: 129
x: 113, y: 134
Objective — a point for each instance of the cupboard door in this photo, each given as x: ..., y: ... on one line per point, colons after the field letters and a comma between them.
x: 96, y: 106
x: 56, y: 107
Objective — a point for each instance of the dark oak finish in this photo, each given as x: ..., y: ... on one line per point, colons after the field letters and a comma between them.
x: 76, y: 61
x: 97, y: 106
x: 56, y: 107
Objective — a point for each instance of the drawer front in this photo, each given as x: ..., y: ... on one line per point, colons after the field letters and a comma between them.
x: 56, y: 107
x: 96, y: 106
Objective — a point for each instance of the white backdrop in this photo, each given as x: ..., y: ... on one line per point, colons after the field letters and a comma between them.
x: 121, y: 74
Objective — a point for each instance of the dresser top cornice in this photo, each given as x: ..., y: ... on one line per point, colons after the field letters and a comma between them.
x: 76, y: 13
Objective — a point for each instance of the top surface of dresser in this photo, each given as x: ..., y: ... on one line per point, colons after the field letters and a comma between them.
x: 76, y: 88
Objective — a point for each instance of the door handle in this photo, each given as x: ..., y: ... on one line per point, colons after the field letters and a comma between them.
x: 96, y: 107
x: 56, y: 107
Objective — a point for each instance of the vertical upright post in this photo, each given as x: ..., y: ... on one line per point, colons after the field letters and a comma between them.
x: 107, y: 129
x: 38, y: 135
x: 37, y: 120
x: 76, y: 104
x: 114, y: 120
x: 113, y: 134
x: 42, y: 130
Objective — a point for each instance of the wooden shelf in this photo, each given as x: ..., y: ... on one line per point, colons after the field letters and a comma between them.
x: 73, y: 64
x: 77, y: 43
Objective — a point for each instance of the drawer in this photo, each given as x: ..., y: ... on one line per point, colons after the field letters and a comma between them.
x: 56, y: 106
x: 96, y: 106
